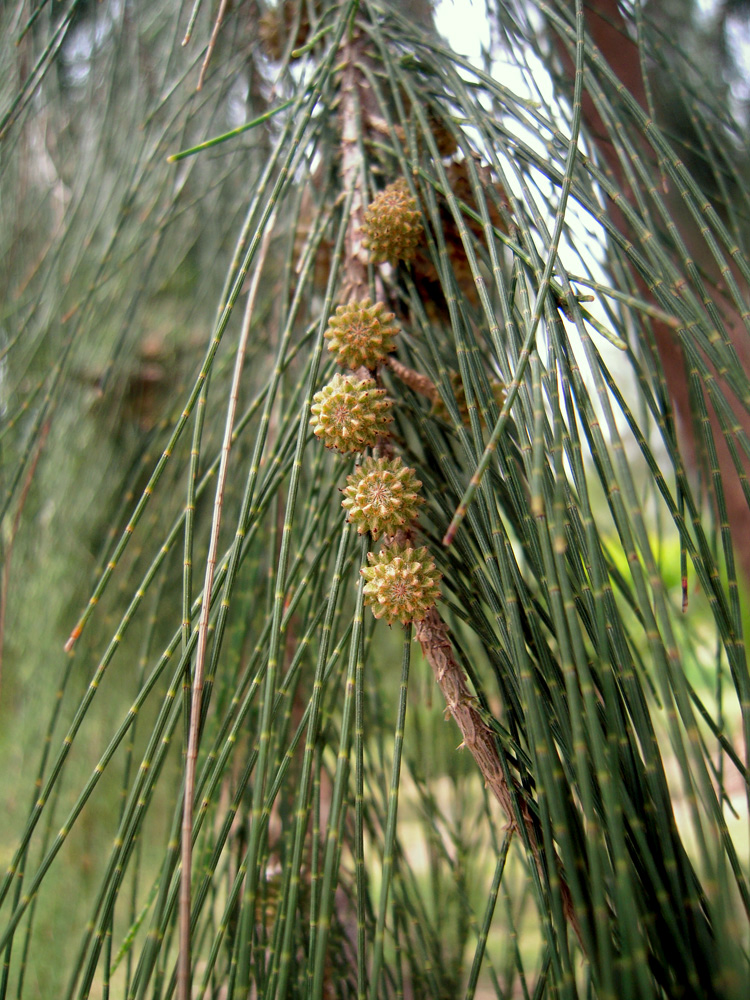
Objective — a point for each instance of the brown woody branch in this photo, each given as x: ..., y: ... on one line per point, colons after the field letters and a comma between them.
x: 479, y: 739
x: 352, y: 88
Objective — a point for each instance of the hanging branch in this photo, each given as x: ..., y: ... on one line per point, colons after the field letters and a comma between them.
x: 431, y: 630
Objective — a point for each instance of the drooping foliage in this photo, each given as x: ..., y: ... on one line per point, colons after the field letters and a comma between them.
x: 542, y: 453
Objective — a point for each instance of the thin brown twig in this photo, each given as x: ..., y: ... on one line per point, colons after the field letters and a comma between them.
x: 212, y: 42
x: 183, y: 967
x: 478, y: 737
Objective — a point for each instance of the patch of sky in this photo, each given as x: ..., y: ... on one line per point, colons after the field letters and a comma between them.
x: 86, y: 38
x: 537, y: 125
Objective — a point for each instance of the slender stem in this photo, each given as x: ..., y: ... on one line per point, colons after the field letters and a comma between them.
x: 390, y: 826
x: 14, y: 531
x: 212, y: 43
x: 200, y: 657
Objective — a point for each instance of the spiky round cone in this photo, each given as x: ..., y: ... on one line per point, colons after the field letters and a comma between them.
x: 402, y: 583
x: 381, y: 496
x: 392, y: 225
x: 361, y: 334
x: 350, y: 414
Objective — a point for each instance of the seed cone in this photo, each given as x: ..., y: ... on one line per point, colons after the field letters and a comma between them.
x: 392, y: 225
x: 361, y: 334
x: 402, y: 583
x: 350, y: 414
x: 381, y: 496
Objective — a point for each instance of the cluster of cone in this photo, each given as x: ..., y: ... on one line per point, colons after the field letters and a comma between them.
x: 351, y: 414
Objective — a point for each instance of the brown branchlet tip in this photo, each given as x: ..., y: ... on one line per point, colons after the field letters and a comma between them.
x: 402, y: 583
x: 392, y: 225
x: 361, y: 334
x: 381, y: 496
x: 350, y: 414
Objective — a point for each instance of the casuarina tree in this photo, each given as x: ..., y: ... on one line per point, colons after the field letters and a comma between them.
x: 374, y: 485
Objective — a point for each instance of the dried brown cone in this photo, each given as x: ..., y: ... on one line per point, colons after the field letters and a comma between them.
x: 444, y: 138
x: 440, y: 409
x: 276, y: 25
x: 392, y: 225
x: 423, y: 270
x: 350, y: 414
x: 403, y: 583
x: 445, y: 141
x: 381, y: 496
x: 361, y: 334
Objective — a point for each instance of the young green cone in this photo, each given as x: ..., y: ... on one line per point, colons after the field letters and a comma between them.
x: 361, y: 334
x: 350, y: 414
x: 402, y: 583
x: 392, y: 225
x: 381, y: 496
